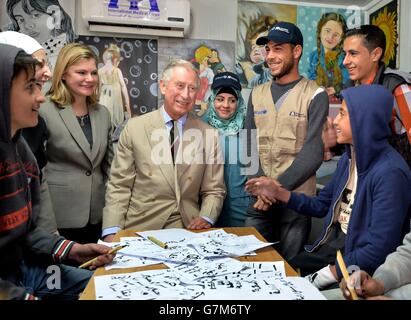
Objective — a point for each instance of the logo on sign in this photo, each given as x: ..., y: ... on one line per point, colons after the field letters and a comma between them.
x: 133, y: 9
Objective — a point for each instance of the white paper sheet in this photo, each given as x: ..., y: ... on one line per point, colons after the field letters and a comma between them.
x: 205, y: 272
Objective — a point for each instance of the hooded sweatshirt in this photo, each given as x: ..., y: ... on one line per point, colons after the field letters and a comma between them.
x: 382, y: 207
x: 20, y: 239
x: 34, y: 136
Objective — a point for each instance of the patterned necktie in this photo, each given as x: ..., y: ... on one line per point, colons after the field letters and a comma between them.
x: 173, y: 139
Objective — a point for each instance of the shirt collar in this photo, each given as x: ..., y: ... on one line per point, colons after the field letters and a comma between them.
x: 182, y: 120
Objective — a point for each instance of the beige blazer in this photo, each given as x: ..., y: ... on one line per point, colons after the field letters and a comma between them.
x: 76, y: 174
x: 145, y: 187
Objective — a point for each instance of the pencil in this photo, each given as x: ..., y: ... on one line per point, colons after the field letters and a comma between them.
x: 346, y: 276
x: 90, y: 262
x: 157, y: 242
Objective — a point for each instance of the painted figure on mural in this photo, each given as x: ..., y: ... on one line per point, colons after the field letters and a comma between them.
x: 326, y: 61
x: 44, y: 20
x: 113, y: 89
x: 202, y: 57
x: 215, y: 62
x: 252, y: 69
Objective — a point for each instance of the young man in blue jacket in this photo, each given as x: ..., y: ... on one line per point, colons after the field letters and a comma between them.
x: 366, y: 205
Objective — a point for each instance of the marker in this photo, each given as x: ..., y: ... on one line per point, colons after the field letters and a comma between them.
x: 90, y: 262
x: 157, y: 242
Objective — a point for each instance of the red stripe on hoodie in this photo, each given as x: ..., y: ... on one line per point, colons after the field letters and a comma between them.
x: 13, y: 220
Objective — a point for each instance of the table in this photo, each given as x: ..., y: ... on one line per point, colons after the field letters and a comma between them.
x: 264, y: 254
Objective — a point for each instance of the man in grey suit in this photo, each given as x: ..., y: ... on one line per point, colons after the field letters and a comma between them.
x: 168, y: 171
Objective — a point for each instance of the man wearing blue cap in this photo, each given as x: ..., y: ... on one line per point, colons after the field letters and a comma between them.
x: 289, y: 113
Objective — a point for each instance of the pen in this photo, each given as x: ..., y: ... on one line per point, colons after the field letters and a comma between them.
x: 157, y: 242
x: 90, y: 262
x: 346, y: 276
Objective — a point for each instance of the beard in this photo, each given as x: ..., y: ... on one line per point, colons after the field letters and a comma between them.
x: 285, y: 69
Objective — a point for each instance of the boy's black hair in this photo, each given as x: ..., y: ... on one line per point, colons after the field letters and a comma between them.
x: 372, y: 37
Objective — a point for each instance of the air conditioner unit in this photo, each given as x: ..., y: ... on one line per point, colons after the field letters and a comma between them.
x: 166, y: 18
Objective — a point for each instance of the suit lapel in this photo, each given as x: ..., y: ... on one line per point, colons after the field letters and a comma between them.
x: 96, y: 126
x: 157, y: 123
x: 72, y: 125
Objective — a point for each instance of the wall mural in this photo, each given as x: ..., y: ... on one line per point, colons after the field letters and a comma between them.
x: 50, y: 22
x: 323, y: 30
x: 254, y: 20
x: 137, y: 61
x: 210, y: 57
x: 387, y: 19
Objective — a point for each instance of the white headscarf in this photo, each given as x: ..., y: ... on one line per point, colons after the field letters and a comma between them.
x: 20, y: 40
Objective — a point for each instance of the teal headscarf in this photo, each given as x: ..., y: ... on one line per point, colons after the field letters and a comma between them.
x: 226, y: 126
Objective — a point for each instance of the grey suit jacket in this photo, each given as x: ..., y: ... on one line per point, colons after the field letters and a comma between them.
x: 145, y: 187
x: 76, y: 174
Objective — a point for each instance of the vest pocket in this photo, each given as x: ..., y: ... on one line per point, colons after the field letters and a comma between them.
x: 292, y: 133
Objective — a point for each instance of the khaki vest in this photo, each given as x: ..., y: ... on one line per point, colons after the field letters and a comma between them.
x: 281, y: 135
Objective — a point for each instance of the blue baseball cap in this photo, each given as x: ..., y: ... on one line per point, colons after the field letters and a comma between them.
x: 226, y: 79
x: 282, y: 32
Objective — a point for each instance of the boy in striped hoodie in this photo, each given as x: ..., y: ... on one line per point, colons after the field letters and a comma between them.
x: 27, y: 251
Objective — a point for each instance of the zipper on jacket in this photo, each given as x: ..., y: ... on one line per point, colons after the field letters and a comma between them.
x: 322, y: 240
x: 25, y: 182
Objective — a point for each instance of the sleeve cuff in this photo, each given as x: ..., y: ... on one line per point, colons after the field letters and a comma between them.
x: 111, y: 230
x: 29, y: 296
x: 62, y: 250
x: 208, y: 219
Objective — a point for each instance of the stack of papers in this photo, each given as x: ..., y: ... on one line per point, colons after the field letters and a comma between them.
x: 200, y: 267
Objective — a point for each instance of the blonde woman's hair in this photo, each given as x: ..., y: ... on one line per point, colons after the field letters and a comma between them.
x: 70, y: 55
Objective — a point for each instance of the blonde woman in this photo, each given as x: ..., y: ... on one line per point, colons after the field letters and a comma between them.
x: 113, y: 89
x: 78, y: 144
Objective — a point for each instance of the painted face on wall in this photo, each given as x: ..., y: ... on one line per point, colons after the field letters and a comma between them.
x: 257, y: 53
x: 81, y: 78
x: 25, y: 100
x: 331, y: 34
x: 179, y: 92
x: 225, y: 105
x: 343, y: 126
x: 34, y: 24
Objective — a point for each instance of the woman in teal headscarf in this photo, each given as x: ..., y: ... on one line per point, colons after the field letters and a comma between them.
x: 226, y: 112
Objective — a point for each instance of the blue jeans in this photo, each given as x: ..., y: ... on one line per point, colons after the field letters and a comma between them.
x: 35, y: 277
x: 280, y: 225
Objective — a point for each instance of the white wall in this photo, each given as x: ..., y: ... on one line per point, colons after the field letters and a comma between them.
x: 214, y: 19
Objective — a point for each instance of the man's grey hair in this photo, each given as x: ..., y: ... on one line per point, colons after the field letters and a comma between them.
x: 168, y: 70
